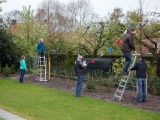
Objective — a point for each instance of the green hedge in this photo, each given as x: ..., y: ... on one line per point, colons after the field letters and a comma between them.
x: 154, y: 85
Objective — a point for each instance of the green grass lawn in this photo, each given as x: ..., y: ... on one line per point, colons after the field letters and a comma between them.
x: 35, y: 102
x: 1, y: 118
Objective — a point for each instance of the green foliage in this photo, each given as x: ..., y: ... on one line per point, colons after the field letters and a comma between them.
x: 6, y: 71
x: 13, y: 69
x: 69, y: 61
x: 117, y: 69
x: 28, y: 32
x: 153, y: 85
x: 90, y: 85
x: 29, y: 63
x: 1, y: 118
x: 109, y: 83
x: 98, y: 78
x: 10, y: 53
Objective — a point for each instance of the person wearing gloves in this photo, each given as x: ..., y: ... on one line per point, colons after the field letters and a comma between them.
x: 23, y: 68
x: 80, y: 71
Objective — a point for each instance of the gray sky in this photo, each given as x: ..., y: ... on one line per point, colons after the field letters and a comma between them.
x: 102, y: 7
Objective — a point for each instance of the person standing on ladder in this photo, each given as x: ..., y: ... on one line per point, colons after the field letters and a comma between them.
x: 126, y: 47
x: 141, y: 68
x: 41, y: 49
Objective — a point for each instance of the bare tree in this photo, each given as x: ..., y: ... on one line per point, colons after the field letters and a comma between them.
x: 13, y: 15
x: 117, y: 15
x: 1, y: 1
x: 95, y: 36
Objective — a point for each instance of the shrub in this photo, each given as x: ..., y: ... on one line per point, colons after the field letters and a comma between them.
x: 91, y: 85
x: 6, y: 71
x: 117, y: 69
x: 69, y: 62
x: 153, y: 85
x: 109, y: 83
x: 13, y: 69
x: 10, y: 52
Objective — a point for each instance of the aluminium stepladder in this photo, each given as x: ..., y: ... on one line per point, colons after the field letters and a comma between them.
x: 123, y: 82
x: 41, y: 73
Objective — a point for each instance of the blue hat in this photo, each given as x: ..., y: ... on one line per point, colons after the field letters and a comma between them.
x: 80, y: 54
x: 131, y: 27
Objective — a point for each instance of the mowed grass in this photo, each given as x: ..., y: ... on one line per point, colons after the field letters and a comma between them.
x: 34, y: 102
x: 1, y: 118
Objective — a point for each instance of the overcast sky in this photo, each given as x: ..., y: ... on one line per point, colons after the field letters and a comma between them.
x: 102, y: 7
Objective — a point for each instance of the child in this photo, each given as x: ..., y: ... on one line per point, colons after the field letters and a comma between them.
x: 23, y: 68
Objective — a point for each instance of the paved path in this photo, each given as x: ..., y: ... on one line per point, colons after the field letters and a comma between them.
x: 9, y: 116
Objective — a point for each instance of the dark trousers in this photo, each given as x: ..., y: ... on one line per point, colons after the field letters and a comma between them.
x: 79, y: 85
x: 22, y: 73
x: 128, y: 58
x: 41, y: 54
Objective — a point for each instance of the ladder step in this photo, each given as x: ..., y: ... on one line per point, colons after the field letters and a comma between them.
x: 124, y: 80
x: 119, y: 91
x: 117, y: 96
x: 121, y: 86
x: 125, y: 76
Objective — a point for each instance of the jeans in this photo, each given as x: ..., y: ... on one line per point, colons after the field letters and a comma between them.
x: 79, y: 85
x: 128, y: 58
x: 141, y: 89
x: 22, y: 73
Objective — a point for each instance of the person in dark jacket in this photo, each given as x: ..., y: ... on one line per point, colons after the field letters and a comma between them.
x: 41, y: 49
x: 126, y: 47
x: 80, y: 71
x: 141, y: 68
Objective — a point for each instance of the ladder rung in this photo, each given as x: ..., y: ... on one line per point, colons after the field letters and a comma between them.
x: 119, y: 91
x: 117, y: 96
x: 121, y: 86
x: 124, y: 80
x: 126, y: 76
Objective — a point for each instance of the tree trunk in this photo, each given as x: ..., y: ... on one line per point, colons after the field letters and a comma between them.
x: 158, y: 67
x: 95, y: 53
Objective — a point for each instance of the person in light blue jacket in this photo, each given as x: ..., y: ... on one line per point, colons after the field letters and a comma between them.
x: 23, y: 68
